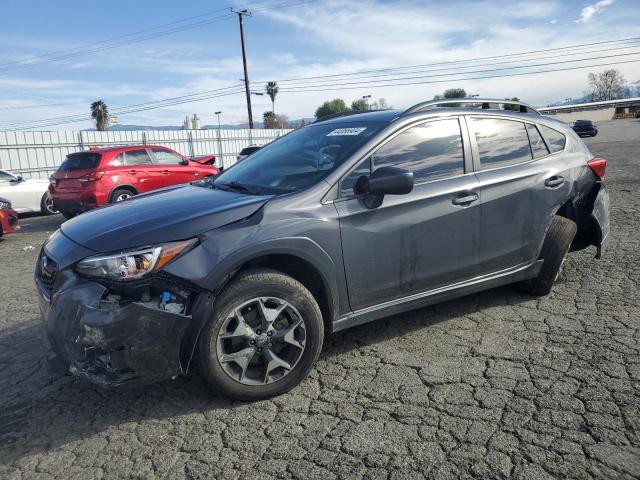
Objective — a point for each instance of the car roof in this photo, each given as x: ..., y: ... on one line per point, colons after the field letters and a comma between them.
x: 372, y: 116
x: 122, y: 148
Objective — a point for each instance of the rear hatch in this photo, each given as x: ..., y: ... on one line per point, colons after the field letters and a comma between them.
x: 76, y: 171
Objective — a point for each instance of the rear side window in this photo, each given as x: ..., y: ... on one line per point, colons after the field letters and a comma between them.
x: 556, y: 141
x: 500, y: 142
x: 118, y: 161
x: 137, y: 157
x: 80, y: 161
x: 538, y: 148
x: 430, y: 150
x: 164, y: 157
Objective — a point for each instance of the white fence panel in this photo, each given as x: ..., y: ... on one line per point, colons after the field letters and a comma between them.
x: 38, y: 154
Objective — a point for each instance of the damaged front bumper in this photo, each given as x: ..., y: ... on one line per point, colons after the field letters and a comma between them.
x: 112, y: 340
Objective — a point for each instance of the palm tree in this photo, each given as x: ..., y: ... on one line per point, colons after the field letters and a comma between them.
x: 272, y: 90
x: 100, y: 113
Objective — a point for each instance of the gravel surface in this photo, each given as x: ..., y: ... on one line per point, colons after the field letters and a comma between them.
x: 494, y: 385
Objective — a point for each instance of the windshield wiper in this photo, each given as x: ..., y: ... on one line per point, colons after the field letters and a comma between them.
x: 235, y: 186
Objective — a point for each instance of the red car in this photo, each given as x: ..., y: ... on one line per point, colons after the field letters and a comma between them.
x: 87, y: 180
x: 8, y: 217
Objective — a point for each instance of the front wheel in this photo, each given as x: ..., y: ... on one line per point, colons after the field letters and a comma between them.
x: 263, y: 337
x: 554, y: 250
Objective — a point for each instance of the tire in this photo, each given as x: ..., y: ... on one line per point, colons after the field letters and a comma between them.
x: 259, y: 379
x: 120, y: 194
x: 68, y: 215
x: 554, y: 250
x: 46, y: 205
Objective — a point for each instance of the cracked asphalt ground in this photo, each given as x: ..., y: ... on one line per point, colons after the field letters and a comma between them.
x: 493, y: 385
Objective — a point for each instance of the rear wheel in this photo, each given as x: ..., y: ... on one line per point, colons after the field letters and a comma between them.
x: 554, y: 251
x: 263, y: 337
x: 46, y: 205
x: 120, y: 195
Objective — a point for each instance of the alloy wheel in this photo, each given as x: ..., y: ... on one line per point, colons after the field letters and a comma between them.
x: 261, y: 341
x: 48, y: 205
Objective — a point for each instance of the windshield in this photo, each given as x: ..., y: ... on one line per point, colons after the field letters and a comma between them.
x: 583, y: 122
x: 300, y: 159
x: 80, y: 161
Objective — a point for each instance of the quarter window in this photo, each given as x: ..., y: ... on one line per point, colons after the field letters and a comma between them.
x: 500, y: 142
x: 431, y: 150
x: 137, y: 157
x: 555, y: 140
x: 6, y: 177
x: 538, y: 148
x: 348, y: 182
x: 164, y: 157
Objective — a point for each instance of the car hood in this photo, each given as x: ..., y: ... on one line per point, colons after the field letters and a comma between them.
x: 170, y: 214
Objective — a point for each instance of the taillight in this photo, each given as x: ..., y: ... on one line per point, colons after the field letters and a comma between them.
x: 91, y: 177
x: 598, y: 166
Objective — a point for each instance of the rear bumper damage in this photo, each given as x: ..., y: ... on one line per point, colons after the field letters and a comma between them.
x: 110, y: 340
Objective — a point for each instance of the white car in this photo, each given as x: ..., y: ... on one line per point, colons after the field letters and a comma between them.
x: 30, y: 195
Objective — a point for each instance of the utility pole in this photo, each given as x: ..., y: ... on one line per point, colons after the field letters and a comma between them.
x: 241, y: 14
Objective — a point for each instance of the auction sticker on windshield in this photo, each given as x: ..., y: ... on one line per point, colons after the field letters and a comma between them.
x: 346, y: 131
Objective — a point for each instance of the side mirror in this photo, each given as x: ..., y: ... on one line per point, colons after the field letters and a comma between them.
x: 384, y: 181
x: 18, y: 179
x: 184, y: 162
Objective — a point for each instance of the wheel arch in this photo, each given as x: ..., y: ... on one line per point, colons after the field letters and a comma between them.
x: 126, y: 186
x: 301, y: 258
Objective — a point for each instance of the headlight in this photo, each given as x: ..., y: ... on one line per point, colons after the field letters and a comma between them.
x: 4, y: 204
x: 132, y: 264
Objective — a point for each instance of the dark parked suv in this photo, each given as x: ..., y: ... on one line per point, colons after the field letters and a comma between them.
x: 336, y: 224
x: 585, y: 128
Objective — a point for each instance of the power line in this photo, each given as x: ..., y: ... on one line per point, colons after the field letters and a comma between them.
x: 108, y: 44
x: 354, y: 76
x: 464, y: 79
x: 292, y: 88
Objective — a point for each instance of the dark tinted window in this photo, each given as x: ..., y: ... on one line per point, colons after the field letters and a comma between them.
x: 555, y: 140
x: 137, y: 157
x: 249, y: 150
x: 166, y: 158
x: 348, y: 182
x: 583, y: 122
x: 299, y: 159
x: 80, y: 161
x: 538, y: 148
x: 500, y: 142
x: 431, y: 150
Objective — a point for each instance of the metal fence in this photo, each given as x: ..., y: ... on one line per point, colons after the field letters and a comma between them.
x: 38, y: 154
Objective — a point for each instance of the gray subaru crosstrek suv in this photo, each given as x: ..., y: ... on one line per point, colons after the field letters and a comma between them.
x: 336, y: 224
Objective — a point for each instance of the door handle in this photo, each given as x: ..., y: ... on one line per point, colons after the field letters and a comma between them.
x: 166, y: 172
x: 465, y: 198
x: 132, y: 172
x: 554, y: 181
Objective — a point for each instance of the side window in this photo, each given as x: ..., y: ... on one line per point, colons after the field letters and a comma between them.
x: 555, y: 140
x: 347, y: 183
x: 6, y: 177
x: 118, y: 161
x: 538, y: 148
x: 430, y: 150
x: 500, y: 142
x: 137, y: 157
x: 164, y: 157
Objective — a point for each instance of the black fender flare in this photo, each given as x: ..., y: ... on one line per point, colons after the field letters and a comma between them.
x: 301, y: 247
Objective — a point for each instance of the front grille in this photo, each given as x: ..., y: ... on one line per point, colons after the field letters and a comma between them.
x: 47, y: 270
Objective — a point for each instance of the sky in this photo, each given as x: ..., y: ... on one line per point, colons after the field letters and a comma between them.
x: 285, y: 40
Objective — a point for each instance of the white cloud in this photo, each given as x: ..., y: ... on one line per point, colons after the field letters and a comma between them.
x: 589, y: 11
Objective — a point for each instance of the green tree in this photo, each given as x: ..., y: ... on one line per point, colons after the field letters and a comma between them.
x: 359, y: 105
x: 455, y: 93
x: 100, y: 113
x: 330, y: 107
x: 272, y: 90
x: 269, y: 120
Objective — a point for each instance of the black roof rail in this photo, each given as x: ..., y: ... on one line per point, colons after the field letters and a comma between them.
x: 346, y: 113
x: 485, y: 104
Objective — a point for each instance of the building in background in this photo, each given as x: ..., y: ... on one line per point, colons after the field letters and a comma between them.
x: 192, y: 123
x: 596, y: 111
